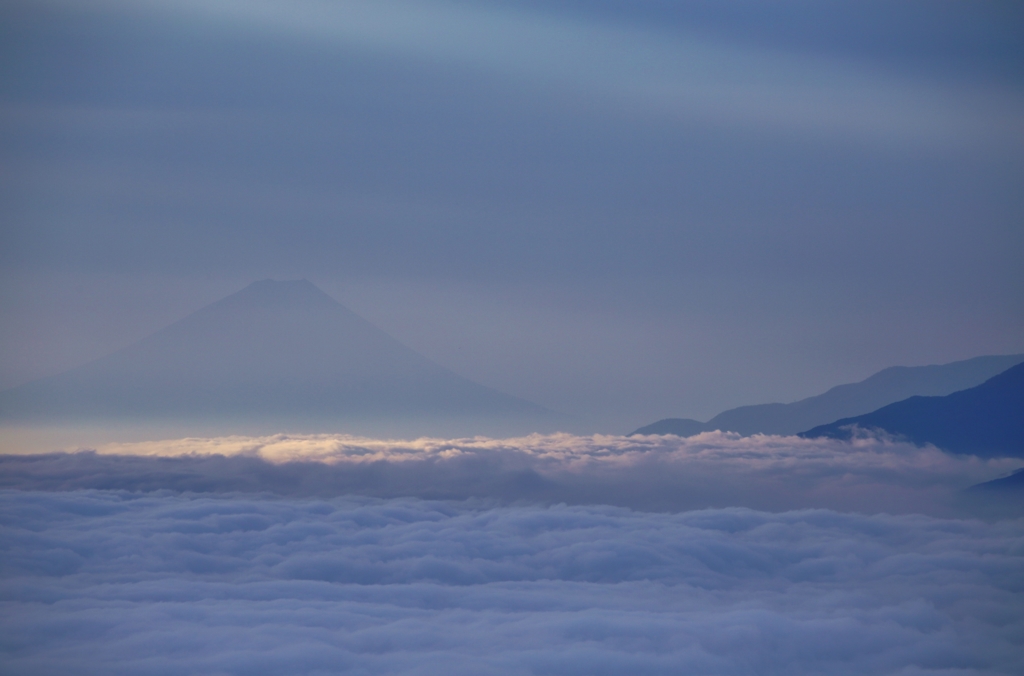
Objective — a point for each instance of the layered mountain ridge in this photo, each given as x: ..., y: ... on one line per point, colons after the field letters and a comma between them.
x: 844, y: 401
x: 987, y: 420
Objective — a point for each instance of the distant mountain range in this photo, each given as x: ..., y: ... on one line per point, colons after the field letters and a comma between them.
x: 274, y: 351
x: 844, y: 401
x: 987, y: 420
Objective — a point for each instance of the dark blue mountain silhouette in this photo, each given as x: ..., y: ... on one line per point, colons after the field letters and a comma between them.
x: 998, y: 499
x: 1013, y: 485
x: 844, y: 401
x: 987, y: 420
x: 274, y: 350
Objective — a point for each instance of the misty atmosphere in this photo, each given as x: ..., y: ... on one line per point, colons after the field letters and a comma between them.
x: 511, y: 337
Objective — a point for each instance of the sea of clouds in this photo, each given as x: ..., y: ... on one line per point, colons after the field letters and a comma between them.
x: 556, y: 554
x: 114, y: 582
x: 713, y: 469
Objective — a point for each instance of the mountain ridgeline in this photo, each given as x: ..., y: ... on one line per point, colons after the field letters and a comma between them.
x: 987, y: 420
x: 844, y: 401
x: 275, y: 351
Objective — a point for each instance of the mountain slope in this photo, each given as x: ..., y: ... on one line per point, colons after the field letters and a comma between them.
x: 277, y: 349
x: 987, y: 420
x: 843, y: 401
x: 1012, y: 485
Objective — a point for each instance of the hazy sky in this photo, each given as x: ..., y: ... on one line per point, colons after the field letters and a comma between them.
x: 624, y: 210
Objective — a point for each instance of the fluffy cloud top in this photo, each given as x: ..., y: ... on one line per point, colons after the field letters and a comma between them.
x: 116, y: 583
x: 655, y: 472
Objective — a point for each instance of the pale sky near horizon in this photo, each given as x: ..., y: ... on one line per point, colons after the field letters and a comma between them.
x: 619, y: 210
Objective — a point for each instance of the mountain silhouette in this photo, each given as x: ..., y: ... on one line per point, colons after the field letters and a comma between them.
x: 272, y: 351
x: 987, y: 420
x: 997, y: 499
x: 844, y: 401
x: 1011, y: 485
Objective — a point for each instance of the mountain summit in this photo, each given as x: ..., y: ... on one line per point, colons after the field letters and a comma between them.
x: 272, y: 351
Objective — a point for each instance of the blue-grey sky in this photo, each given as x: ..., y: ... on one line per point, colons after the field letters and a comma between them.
x: 619, y: 210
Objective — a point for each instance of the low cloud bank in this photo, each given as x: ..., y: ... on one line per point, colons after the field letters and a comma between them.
x: 108, y: 582
x: 653, y: 473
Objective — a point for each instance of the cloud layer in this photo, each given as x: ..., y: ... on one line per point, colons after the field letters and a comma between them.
x: 653, y: 473
x: 115, y: 583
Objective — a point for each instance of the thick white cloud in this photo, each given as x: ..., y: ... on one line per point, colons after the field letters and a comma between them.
x: 655, y: 472
x: 110, y: 583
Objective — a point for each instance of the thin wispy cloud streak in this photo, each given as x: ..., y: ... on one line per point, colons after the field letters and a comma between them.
x: 713, y: 469
x: 118, y: 583
x: 637, y: 68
